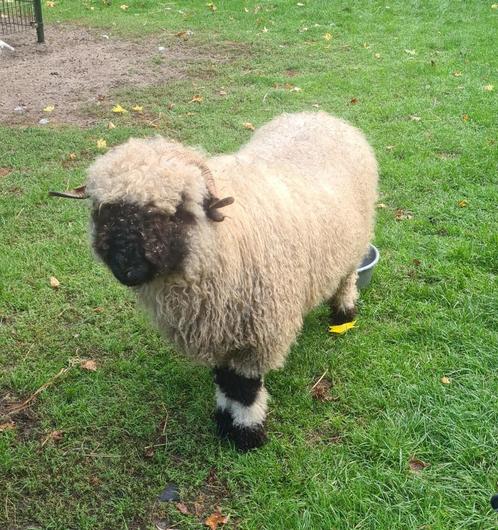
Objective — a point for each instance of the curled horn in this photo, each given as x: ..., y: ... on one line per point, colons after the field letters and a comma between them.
x: 76, y: 193
x: 214, y: 203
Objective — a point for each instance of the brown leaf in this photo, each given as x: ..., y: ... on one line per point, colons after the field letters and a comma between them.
x: 321, y: 390
x: 417, y: 465
x: 197, y: 99
x: 89, y: 365
x: 249, y: 125
x: 354, y: 101
x: 149, y: 452
x: 445, y: 380
x: 216, y: 519
x: 54, y: 282
x: 463, y: 203
x: 54, y: 436
x: 4, y: 171
x: 8, y: 426
x: 465, y: 117
x: 416, y: 262
x: 182, y: 508
x: 402, y: 215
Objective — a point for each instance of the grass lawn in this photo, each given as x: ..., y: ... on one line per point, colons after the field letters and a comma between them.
x: 415, y: 76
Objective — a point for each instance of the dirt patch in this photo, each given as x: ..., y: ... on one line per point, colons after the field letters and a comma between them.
x: 78, y: 68
x: 23, y: 423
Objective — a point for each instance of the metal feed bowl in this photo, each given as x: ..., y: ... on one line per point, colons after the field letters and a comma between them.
x: 365, y: 270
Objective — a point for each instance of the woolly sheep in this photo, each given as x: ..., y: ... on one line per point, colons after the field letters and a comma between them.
x: 298, y: 214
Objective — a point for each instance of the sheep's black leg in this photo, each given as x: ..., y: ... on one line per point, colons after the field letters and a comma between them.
x: 343, y: 303
x: 240, y: 408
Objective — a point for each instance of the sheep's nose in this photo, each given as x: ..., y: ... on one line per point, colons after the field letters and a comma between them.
x: 136, y: 276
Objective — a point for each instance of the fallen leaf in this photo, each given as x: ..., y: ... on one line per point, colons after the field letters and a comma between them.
x: 72, y: 156
x: 457, y: 74
x: 465, y: 117
x: 494, y: 6
x: 488, y: 88
x: 118, y: 109
x: 390, y: 147
x: 54, y: 282
x: 111, y: 125
x: 377, y: 55
x: 416, y: 262
x: 411, y: 52
x: 463, y: 203
x: 321, y: 390
x: 265, y: 29
x: 197, y: 99
x: 222, y: 93
x: 366, y: 45
x: 54, y: 436
x: 4, y: 171
x: 354, y: 101
x: 316, y: 105
x: 381, y: 205
x: 8, y: 426
x: 124, y: 7
x: 216, y: 519
x: 327, y: 36
x: 101, y: 143
x: 342, y: 328
x: 182, y: 508
x: 50, y: 4
x: 49, y: 108
x: 137, y: 108
x: 417, y: 465
x: 99, y: 310
x: 171, y: 106
x: 212, y: 7
x: 295, y: 89
x: 249, y: 125
x: 402, y: 215
x: 415, y: 118
x: 300, y: 4
x: 89, y: 365
x: 445, y: 380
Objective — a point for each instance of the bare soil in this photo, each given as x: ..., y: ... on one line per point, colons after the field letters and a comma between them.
x: 78, y: 68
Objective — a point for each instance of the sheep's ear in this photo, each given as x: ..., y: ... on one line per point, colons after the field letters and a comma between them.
x: 213, y: 206
x: 77, y: 193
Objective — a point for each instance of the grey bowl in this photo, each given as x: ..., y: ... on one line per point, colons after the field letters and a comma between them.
x: 365, y: 270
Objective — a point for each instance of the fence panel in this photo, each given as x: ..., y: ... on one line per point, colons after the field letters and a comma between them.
x: 19, y: 15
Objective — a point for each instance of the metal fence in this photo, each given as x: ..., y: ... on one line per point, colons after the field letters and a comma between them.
x: 19, y: 15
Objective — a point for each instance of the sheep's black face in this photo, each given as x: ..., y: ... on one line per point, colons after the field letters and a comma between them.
x: 140, y: 242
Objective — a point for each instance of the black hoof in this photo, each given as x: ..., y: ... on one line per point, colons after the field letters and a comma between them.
x: 339, y: 317
x: 224, y: 423
x: 246, y: 439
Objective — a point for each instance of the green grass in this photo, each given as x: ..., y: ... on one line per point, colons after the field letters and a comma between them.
x: 341, y: 464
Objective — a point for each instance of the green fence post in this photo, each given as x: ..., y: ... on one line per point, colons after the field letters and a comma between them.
x: 39, y: 21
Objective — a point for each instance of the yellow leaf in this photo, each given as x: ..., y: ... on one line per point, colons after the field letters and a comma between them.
x: 124, y: 7
x: 415, y: 118
x: 249, y: 125
x: 54, y: 282
x: 327, y: 36
x: 377, y: 55
x: 342, y: 328
x: 265, y: 29
x: 197, y: 99
x: 137, y: 108
x: 111, y: 125
x: 89, y: 365
x: 72, y: 156
x: 300, y: 4
x: 411, y: 52
x: 465, y: 117
x: 49, y: 108
x: 489, y: 88
x: 118, y: 109
x: 463, y: 203
x: 216, y: 519
x: 381, y: 205
x: 390, y: 147
x: 50, y: 4
x: 212, y: 7
x: 457, y: 74
x: 494, y: 6
x: 445, y: 380
x: 101, y: 144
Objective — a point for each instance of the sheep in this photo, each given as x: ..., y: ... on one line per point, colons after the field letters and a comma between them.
x: 229, y: 280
